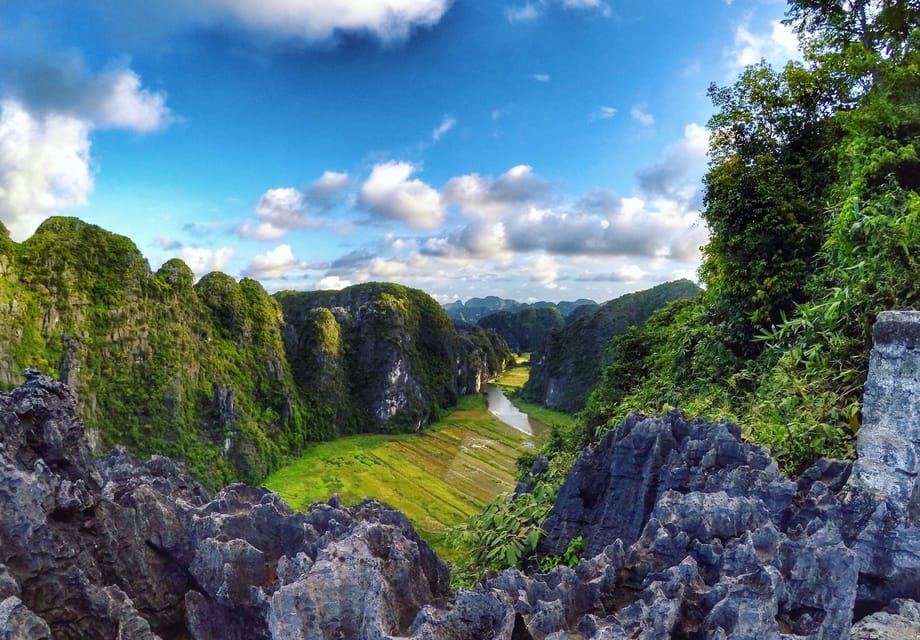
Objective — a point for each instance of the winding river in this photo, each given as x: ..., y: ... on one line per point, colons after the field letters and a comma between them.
x: 500, y: 407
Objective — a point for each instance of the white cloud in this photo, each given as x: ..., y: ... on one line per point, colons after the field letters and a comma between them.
x: 305, y: 20
x: 389, y: 193
x: 777, y: 47
x: 641, y: 116
x: 523, y: 13
x: 49, y: 110
x: 264, y: 232
x: 44, y: 166
x: 535, y: 9
x: 599, y: 5
x: 603, y: 113
x: 623, y: 273
x: 330, y: 283
x: 273, y: 264
x: 166, y: 243
x: 446, y: 125
x: 284, y: 209
x: 677, y: 175
x: 484, y: 197
x: 545, y: 271
x: 203, y: 261
x: 63, y: 85
x: 125, y: 104
x: 540, y: 77
x: 326, y: 186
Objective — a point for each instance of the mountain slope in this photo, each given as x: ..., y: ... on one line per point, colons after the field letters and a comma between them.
x: 200, y: 372
x: 571, y: 360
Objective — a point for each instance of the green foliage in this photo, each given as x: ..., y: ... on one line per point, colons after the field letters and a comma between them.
x: 575, y: 357
x: 569, y: 558
x: 812, y: 200
x: 505, y: 534
x: 524, y: 329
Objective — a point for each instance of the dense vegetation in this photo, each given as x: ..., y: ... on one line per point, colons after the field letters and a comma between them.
x: 812, y: 203
x: 569, y: 362
x: 525, y: 329
x: 813, y: 207
x: 201, y: 372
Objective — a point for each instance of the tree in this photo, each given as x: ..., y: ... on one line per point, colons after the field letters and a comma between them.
x: 765, y: 196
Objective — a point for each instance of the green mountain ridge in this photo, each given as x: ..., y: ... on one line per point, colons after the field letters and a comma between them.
x: 476, y: 309
x: 211, y: 373
x: 570, y: 360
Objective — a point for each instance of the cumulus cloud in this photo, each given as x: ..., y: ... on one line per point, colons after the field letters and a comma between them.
x: 272, y: 264
x: 389, y: 193
x: 325, y: 191
x: 284, y: 209
x: 446, y: 125
x: 62, y: 85
x: 545, y: 271
x: 44, y: 166
x: 386, y: 20
x: 483, y: 196
x: 776, y: 47
x: 333, y: 283
x: 49, y: 108
x: 676, y: 175
x: 203, y: 261
x: 641, y: 116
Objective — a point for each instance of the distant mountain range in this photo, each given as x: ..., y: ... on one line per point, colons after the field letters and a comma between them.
x: 474, y: 309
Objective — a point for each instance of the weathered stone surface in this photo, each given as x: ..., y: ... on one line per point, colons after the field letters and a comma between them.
x: 899, y: 621
x: 612, y: 489
x: 888, y: 444
x: 691, y: 533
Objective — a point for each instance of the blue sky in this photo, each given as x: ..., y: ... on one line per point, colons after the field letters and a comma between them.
x: 531, y: 149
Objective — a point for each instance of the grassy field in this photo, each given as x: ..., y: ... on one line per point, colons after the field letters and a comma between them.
x: 437, y: 478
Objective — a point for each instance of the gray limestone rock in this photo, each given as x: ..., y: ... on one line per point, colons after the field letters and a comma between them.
x: 691, y: 533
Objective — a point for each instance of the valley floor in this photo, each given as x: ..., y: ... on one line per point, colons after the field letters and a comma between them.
x: 438, y: 478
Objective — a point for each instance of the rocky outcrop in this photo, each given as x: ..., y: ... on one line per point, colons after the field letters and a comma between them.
x: 570, y: 362
x: 691, y: 533
x: 383, y: 357
x: 116, y: 548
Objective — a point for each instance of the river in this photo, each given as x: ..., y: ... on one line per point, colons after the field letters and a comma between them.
x: 500, y: 407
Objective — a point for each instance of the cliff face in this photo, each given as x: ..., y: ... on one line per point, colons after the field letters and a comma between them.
x: 383, y: 356
x: 525, y: 329
x: 570, y: 361
x: 200, y: 372
x: 691, y: 532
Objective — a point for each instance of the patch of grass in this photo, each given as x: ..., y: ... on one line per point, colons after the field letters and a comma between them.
x: 543, y: 414
x: 438, y: 478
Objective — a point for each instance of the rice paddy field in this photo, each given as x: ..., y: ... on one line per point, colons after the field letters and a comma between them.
x: 438, y: 478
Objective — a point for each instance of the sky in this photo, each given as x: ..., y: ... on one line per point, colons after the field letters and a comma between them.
x: 530, y: 149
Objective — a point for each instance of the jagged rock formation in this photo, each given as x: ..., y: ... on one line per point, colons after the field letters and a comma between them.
x: 570, y: 362
x: 692, y: 533
x: 121, y: 549
x: 200, y: 372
